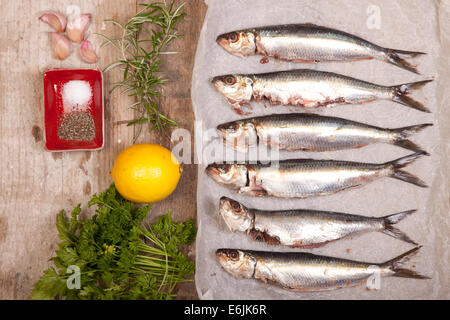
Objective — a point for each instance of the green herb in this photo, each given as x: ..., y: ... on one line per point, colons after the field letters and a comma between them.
x: 145, y: 36
x: 117, y: 255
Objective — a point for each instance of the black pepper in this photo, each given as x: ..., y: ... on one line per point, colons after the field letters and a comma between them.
x: 77, y: 125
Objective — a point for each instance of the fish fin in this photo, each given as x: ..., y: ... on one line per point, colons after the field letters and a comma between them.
x: 404, y: 161
x: 399, y: 59
x: 400, y: 95
x: 243, y: 108
x: 407, y: 273
x: 398, y: 234
x: 397, y: 217
x: 252, y: 191
x: 402, y: 134
x: 407, y: 177
x: 388, y: 221
x: 403, y: 175
x: 396, y: 264
x: 259, y: 235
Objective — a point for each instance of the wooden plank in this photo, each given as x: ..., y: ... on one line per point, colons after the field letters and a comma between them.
x: 36, y: 184
x: 178, y: 106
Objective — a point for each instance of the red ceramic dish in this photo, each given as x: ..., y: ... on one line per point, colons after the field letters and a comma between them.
x: 54, y: 81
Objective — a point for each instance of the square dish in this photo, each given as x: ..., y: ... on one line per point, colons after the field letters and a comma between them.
x: 56, y: 110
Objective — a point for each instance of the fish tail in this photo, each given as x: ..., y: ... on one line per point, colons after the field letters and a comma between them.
x: 400, y: 95
x: 402, y: 135
x: 396, y: 265
x: 399, y: 59
x: 388, y: 221
x: 399, y: 174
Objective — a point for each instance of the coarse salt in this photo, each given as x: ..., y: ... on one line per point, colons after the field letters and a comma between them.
x: 76, y: 95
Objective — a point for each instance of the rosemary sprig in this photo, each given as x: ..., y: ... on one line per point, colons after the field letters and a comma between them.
x: 144, y: 38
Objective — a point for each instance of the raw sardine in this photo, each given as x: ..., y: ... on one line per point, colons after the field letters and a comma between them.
x: 310, y: 132
x: 300, y: 271
x: 310, y: 43
x: 301, y: 178
x: 309, y: 89
x: 305, y: 228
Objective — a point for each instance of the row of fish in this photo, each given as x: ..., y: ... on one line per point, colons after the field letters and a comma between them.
x: 305, y: 228
x: 311, y: 132
x: 302, y: 178
x: 300, y: 271
x: 309, y: 89
x: 310, y: 43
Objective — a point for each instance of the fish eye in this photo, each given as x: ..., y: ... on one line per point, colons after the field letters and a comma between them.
x: 230, y: 80
x: 233, y: 37
x: 235, y: 206
x: 232, y: 127
x: 223, y: 168
x: 233, y: 255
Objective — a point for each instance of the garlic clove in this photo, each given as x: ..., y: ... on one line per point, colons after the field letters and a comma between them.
x: 77, y: 26
x: 61, y: 45
x: 54, y: 19
x: 87, y: 52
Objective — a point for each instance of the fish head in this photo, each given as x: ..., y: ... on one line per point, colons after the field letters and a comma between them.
x: 238, y: 263
x: 239, y: 43
x: 233, y: 176
x: 236, y: 88
x: 240, y: 135
x: 235, y: 215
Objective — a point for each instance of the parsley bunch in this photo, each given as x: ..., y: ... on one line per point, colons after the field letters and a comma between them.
x: 116, y: 254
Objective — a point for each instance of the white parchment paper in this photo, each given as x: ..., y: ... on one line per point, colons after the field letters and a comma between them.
x: 403, y: 24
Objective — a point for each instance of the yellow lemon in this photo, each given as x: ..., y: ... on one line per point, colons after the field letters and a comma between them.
x: 146, y: 173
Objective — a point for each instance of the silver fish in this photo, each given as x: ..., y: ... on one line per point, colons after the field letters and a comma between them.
x: 309, y: 89
x: 301, y: 178
x: 309, y: 43
x: 305, y: 228
x: 300, y: 271
x: 310, y: 132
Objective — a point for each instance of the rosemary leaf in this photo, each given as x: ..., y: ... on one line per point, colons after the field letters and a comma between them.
x: 144, y: 40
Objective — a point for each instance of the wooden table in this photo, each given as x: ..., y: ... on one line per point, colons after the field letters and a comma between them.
x: 36, y: 184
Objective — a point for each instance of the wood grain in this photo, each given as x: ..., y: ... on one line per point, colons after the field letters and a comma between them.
x: 36, y: 184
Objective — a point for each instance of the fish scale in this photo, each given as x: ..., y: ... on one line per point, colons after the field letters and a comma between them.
x: 283, y: 180
x: 301, y: 178
x: 301, y: 271
x: 309, y: 89
x: 311, y: 132
x: 310, y: 270
x: 316, y: 86
x: 315, y: 45
x: 305, y: 228
x: 310, y: 43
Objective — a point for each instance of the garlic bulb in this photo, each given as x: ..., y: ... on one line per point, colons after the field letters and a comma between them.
x: 54, y: 19
x: 77, y: 26
x: 87, y: 52
x: 61, y: 45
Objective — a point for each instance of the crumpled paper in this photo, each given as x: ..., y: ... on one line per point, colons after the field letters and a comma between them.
x: 403, y: 24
